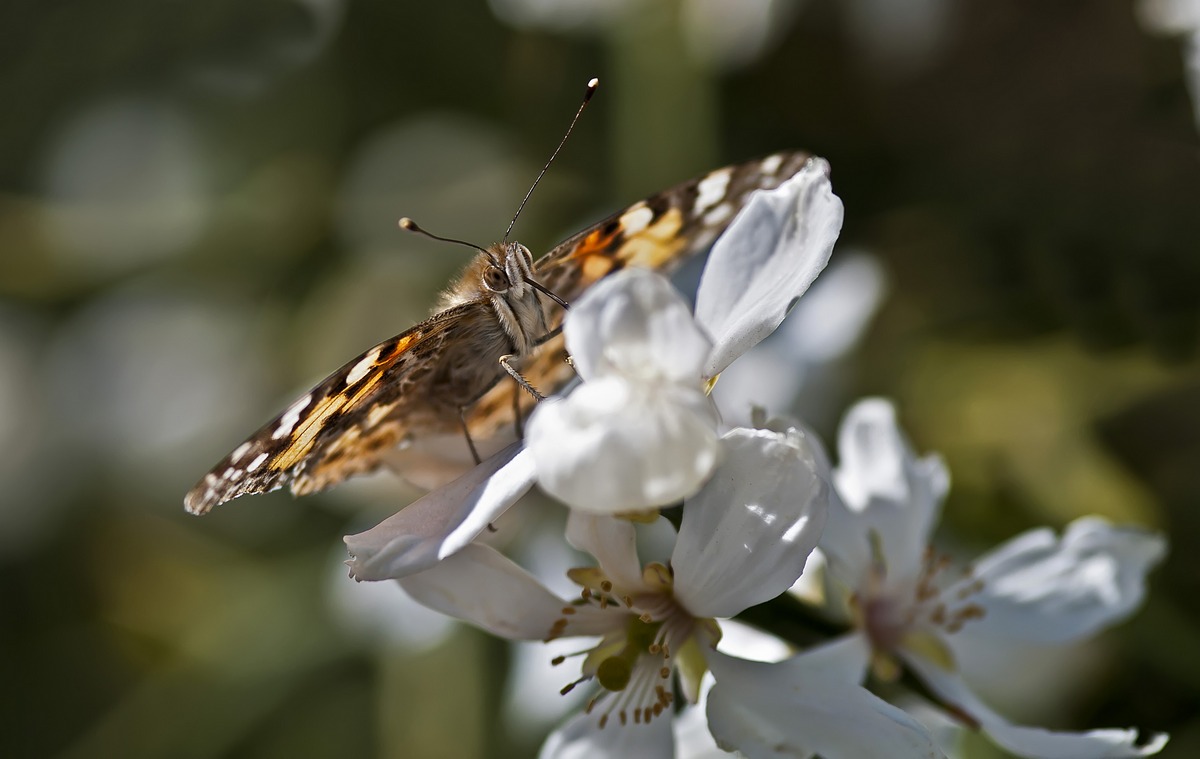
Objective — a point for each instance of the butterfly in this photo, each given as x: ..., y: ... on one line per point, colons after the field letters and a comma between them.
x: 402, y: 400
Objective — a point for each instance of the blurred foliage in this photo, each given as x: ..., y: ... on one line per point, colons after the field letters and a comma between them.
x: 197, y: 218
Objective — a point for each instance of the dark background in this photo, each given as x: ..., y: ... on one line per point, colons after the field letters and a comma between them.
x: 197, y: 219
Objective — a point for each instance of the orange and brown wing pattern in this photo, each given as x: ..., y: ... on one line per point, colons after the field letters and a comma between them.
x: 662, y: 231
x: 344, y: 424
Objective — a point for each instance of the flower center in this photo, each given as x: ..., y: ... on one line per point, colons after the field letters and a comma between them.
x: 649, y: 637
x: 915, y: 615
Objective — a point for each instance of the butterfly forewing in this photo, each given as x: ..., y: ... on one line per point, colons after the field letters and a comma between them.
x: 662, y: 231
x: 418, y: 383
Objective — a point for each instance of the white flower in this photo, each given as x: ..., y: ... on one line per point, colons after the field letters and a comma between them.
x: 640, y: 432
x: 913, y: 610
x: 743, y: 540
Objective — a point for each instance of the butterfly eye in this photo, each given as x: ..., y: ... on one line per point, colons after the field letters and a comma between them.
x: 495, y: 279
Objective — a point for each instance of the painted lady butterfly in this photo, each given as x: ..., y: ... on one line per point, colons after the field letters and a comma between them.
x: 443, y: 375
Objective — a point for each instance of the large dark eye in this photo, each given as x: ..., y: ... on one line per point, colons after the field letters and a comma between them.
x: 495, y: 280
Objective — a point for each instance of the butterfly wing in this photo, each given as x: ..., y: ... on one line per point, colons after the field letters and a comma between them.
x: 346, y: 423
x: 664, y: 230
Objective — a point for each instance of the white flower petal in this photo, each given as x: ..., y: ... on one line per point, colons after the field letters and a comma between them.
x: 877, y: 462
x: 612, y: 541
x: 433, y: 461
x: 1037, y: 588
x: 612, y: 446
x: 692, y: 738
x: 746, y: 535
x: 583, y: 738
x: 799, y: 361
x: 765, y: 260
x: 1033, y: 742
x: 809, y: 704
x: 481, y: 586
x: 440, y: 523
x: 885, y: 493
x: 1039, y: 743
x: 746, y: 642
x: 637, y: 325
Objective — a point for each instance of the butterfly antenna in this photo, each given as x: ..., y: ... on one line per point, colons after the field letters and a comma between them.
x: 587, y: 95
x: 408, y: 225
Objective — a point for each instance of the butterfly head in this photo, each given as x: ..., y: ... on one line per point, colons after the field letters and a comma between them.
x: 507, y: 280
x: 510, y: 270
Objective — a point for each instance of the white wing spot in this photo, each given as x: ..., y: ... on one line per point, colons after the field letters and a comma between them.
x: 711, y: 190
x: 771, y: 164
x: 238, y: 452
x: 379, y: 413
x: 362, y: 367
x: 290, y: 417
x: 718, y: 215
x: 232, y: 474
x: 257, y: 462
x: 637, y: 218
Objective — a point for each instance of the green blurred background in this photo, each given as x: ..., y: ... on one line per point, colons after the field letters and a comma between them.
x: 197, y: 219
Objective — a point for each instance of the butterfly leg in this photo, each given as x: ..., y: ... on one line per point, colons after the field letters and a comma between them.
x: 462, y: 418
x: 549, y: 336
x: 518, y: 418
x: 506, y: 362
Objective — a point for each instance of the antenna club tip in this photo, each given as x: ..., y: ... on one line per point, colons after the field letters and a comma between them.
x: 591, y: 89
x: 408, y: 224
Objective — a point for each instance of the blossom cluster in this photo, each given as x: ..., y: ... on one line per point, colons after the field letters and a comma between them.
x: 751, y: 512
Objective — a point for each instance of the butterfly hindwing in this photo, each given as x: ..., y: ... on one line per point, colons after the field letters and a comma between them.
x: 346, y: 418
